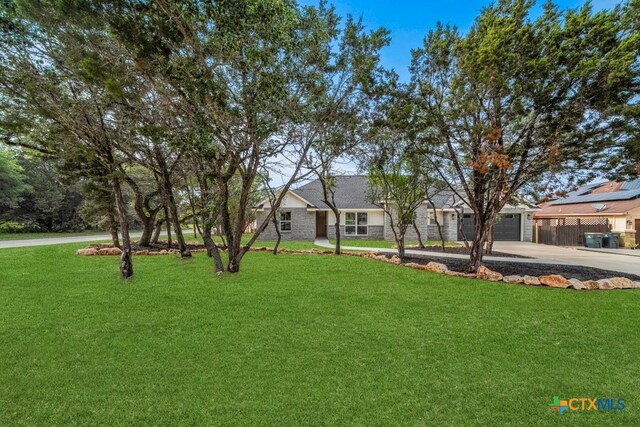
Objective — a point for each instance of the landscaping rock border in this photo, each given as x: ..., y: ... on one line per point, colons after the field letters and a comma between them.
x: 483, y: 273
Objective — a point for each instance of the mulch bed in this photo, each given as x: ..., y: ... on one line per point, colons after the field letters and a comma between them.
x: 460, y: 250
x: 521, y: 269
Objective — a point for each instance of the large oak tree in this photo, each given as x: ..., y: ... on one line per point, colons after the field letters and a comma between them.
x: 518, y: 97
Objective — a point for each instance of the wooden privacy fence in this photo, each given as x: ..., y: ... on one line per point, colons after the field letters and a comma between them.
x: 568, y: 231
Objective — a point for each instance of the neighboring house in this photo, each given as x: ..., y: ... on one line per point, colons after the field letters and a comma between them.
x: 304, y: 216
x: 603, y: 206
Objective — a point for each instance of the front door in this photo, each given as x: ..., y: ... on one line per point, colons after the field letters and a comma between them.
x: 321, y: 224
x: 638, y: 231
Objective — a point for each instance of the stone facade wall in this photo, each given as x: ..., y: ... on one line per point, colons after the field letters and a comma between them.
x: 450, y: 229
x: 376, y: 232
x: 427, y: 231
x: 627, y: 238
x: 527, y: 224
x: 303, y: 226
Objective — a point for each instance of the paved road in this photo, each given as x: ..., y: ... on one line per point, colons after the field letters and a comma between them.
x: 56, y: 240
x: 541, y: 254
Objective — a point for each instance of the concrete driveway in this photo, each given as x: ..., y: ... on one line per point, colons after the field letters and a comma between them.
x: 56, y: 240
x: 570, y: 255
x: 324, y: 243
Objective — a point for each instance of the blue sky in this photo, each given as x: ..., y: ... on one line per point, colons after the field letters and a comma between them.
x: 409, y: 21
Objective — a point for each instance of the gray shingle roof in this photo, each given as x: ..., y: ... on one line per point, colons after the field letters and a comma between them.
x: 442, y: 199
x: 351, y: 193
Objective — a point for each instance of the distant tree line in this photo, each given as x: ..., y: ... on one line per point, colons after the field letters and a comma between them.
x: 36, y: 197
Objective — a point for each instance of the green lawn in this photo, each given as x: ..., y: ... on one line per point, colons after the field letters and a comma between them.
x: 301, y: 339
x: 25, y: 236
x: 386, y: 244
x: 366, y: 243
x: 259, y: 243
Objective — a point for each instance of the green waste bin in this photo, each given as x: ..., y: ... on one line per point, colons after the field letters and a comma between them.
x: 611, y: 240
x: 593, y: 240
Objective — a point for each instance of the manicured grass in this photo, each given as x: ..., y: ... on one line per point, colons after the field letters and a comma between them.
x: 386, y: 244
x: 188, y: 235
x: 435, y: 243
x: 25, y: 236
x: 301, y: 339
x: 270, y: 244
x: 368, y: 243
x: 286, y: 245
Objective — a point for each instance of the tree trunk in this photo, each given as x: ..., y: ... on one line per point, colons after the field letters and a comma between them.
x: 148, y: 225
x: 329, y: 198
x: 208, y: 220
x: 489, y: 241
x: 420, y: 243
x: 168, y: 224
x: 440, y: 234
x: 233, y: 247
x: 233, y: 266
x: 460, y: 215
x: 477, y: 246
x: 170, y: 201
x: 192, y: 204
x: 145, y: 213
x: 115, y: 239
x: 475, y: 256
x: 196, y: 227
x: 156, y: 232
x: 235, y: 250
x: 401, y: 249
x: 113, y: 230
x: 126, y: 265
x: 182, y: 244
x: 212, y: 249
x: 234, y: 229
x: 336, y: 225
x: 279, y: 238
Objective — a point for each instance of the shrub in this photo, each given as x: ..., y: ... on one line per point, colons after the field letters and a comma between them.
x: 18, y: 227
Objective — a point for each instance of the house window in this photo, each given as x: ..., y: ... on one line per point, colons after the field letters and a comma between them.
x: 430, y: 218
x: 285, y: 221
x: 356, y: 224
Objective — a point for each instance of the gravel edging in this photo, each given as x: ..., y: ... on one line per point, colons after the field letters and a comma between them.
x: 459, y: 250
x: 529, y: 269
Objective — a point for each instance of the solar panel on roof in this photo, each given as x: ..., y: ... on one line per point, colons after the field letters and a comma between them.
x: 603, y: 197
x: 631, y: 185
x: 587, y: 188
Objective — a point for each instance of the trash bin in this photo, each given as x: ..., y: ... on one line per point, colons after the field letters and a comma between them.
x: 611, y: 240
x: 615, y: 240
x: 593, y: 240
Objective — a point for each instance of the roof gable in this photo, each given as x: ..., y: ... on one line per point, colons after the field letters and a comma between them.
x: 350, y: 193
